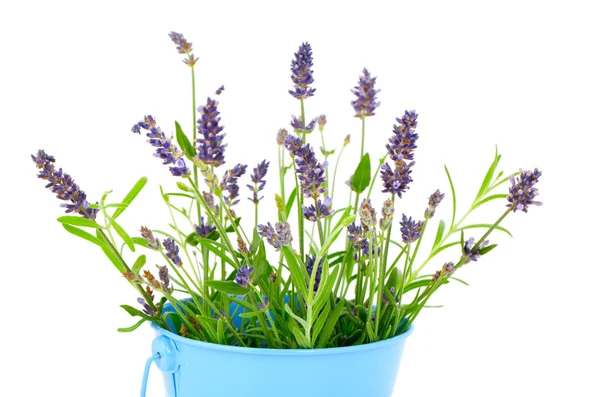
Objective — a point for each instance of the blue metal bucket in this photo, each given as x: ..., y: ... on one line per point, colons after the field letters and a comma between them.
x: 192, y: 368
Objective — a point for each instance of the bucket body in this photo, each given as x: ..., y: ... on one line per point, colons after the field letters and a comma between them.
x: 192, y: 368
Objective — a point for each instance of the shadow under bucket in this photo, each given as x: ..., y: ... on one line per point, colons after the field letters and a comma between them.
x: 199, y: 369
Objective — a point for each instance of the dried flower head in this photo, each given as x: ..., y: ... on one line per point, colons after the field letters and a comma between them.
x: 321, y: 121
x: 322, y: 210
x: 347, y: 140
x: 242, y: 276
x: 410, y: 230
x: 281, y: 135
x: 242, y: 246
x: 220, y: 90
x: 211, y: 148
x: 368, y: 216
x: 258, y: 178
x: 434, y: 200
x: 153, y: 242
x: 387, y: 214
x: 64, y: 186
x: 172, y: 251
x: 521, y: 193
x: 366, y: 95
x: 302, y: 75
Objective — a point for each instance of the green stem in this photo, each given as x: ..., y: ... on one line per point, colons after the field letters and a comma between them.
x: 375, y: 176
x: 194, y: 132
x: 362, y: 139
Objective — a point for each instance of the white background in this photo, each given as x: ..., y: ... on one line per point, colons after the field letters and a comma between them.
x: 523, y: 75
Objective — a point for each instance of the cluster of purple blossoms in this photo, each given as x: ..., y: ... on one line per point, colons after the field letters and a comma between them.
x: 310, y: 265
x: 355, y: 235
x: 471, y: 254
x: 521, y: 193
x: 210, y: 143
x: 302, y: 73
x: 322, y: 210
x: 172, y: 251
x: 400, y: 148
x: 410, y: 229
x: 242, y: 277
x: 64, y: 186
x: 153, y: 242
x: 281, y: 135
x: 258, y: 178
x: 387, y: 214
x: 279, y: 236
x: 184, y: 47
x: 147, y: 309
x: 165, y: 148
x: 434, y: 200
x: 163, y: 274
x: 300, y: 128
x: 229, y: 183
x: 204, y: 229
x: 366, y: 95
x: 311, y: 173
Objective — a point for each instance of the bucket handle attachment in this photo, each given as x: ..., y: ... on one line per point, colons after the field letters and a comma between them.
x: 165, y: 357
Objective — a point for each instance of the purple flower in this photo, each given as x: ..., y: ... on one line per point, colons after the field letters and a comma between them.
x: 521, y: 193
x: 153, y: 243
x: 293, y: 144
x: 210, y: 201
x: 396, y: 181
x: 281, y: 135
x: 165, y: 149
x: 220, y: 90
x: 263, y: 306
x: 323, y: 210
x: 321, y: 121
x: 364, y: 247
x: 402, y: 144
x: 471, y: 254
x: 309, y: 269
x: 204, y: 229
x: 410, y: 230
x: 147, y: 309
x: 368, y: 217
x: 258, y: 178
x: 242, y: 276
x: 302, y: 73
x: 366, y: 95
x: 355, y: 234
x: 434, y: 200
x: 210, y: 143
x: 311, y: 173
x: 64, y: 186
x: 229, y: 183
x: 183, y: 47
x: 448, y: 268
x: 296, y: 124
x: 163, y: 274
x: 172, y: 251
x: 278, y: 236
x: 387, y: 214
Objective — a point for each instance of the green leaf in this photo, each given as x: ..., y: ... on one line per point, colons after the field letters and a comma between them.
x: 437, y: 251
x: 325, y: 291
x: 489, y: 175
x: 220, y: 331
x: 489, y: 198
x: 487, y: 249
x: 299, y: 274
x: 135, y: 190
x: 140, y: 241
x: 133, y: 327
x: 416, y: 284
x: 440, y: 233
x: 227, y: 287
x: 260, y: 263
x: 133, y: 312
x: 330, y: 324
x: 121, y: 232
x: 320, y: 323
x: 300, y: 320
x: 302, y: 340
x: 486, y: 226
x: 184, y: 143
x: 249, y: 314
x: 139, y: 263
x: 85, y: 235
x: 335, y: 232
x: 290, y: 203
x: 184, y: 187
x: 216, y: 248
x: 362, y: 175
x: 453, y: 197
x: 230, y: 228
x: 79, y: 221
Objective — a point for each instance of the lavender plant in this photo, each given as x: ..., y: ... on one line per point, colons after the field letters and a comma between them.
x: 361, y: 279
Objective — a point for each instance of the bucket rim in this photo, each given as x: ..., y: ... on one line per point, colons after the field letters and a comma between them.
x: 285, y: 352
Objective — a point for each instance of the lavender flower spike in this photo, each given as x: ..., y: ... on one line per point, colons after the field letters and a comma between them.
x: 293, y: 144
x: 387, y: 214
x: 172, y: 251
x: 368, y: 217
x: 311, y: 173
x: 296, y: 124
x: 310, y: 265
x: 403, y: 143
x: 258, y: 178
x: 153, y: 242
x: 396, y: 181
x: 229, y: 183
x: 64, y: 186
x: 204, y: 229
x: 410, y: 230
x: 278, y: 236
x: 242, y: 278
x: 323, y: 210
x: 147, y: 309
x: 366, y: 95
x: 210, y: 143
x: 281, y: 135
x: 163, y: 274
x: 521, y: 192
x: 434, y: 200
x: 165, y: 149
x: 471, y: 254
x: 302, y: 73
x: 184, y: 47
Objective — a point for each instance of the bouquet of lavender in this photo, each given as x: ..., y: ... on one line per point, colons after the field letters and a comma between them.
x: 227, y: 286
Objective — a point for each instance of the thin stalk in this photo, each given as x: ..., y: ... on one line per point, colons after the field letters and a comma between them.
x: 198, y: 208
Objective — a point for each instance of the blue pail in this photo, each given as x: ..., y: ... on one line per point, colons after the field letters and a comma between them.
x: 191, y: 368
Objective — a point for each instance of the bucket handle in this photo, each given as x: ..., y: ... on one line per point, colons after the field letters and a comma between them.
x: 165, y: 356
